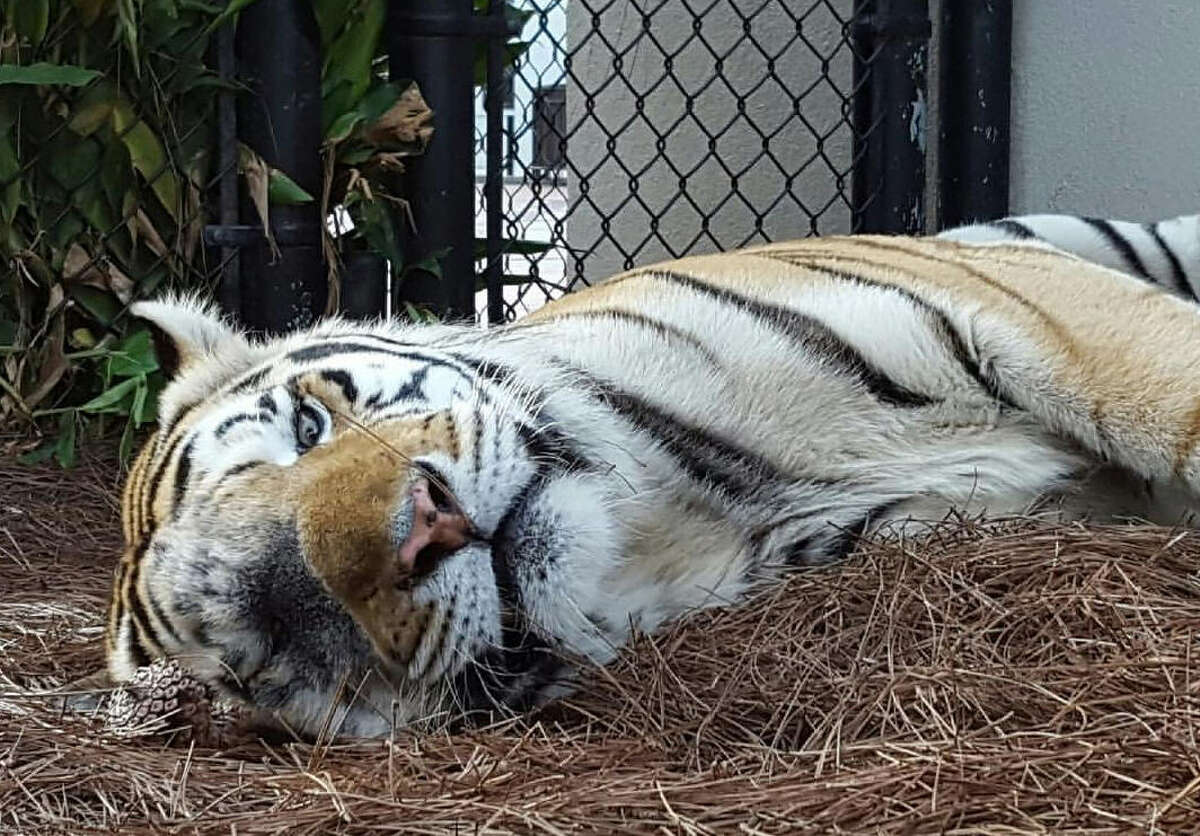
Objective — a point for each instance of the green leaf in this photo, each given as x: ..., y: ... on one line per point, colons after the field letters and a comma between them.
x: 64, y: 450
x: 125, y: 448
x: 230, y: 12
x: 431, y: 263
x: 282, y: 189
x: 64, y: 74
x: 379, y: 228
x: 110, y: 398
x: 10, y: 167
x: 155, y: 383
x: 41, y: 454
x: 139, y: 402
x: 148, y: 156
x: 512, y: 53
x: 102, y: 306
x: 354, y: 154
x: 343, y: 126
x: 70, y: 162
x: 421, y: 316
x: 30, y: 18
x: 378, y: 100
x: 127, y: 18
x: 513, y: 247
x: 93, y: 108
x: 133, y: 356
x: 331, y: 17
x: 350, y: 57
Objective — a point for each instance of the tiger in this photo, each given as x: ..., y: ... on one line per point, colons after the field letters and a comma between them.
x: 375, y: 525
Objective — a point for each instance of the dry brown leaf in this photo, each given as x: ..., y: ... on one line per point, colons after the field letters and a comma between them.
x: 194, y: 212
x: 80, y: 268
x: 53, y: 363
x: 406, y: 127
x: 153, y: 240
x: 258, y: 183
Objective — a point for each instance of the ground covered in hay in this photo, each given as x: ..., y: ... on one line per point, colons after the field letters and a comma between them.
x: 1011, y: 678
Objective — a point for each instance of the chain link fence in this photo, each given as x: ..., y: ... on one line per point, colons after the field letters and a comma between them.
x: 638, y: 131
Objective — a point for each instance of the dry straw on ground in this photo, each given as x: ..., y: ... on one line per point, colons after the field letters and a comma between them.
x: 1015, y: 678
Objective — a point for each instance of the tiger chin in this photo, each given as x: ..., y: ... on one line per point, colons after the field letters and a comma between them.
x: 368, y: 526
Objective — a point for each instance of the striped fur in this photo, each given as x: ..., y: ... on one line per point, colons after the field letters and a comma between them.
x: 663, y: 441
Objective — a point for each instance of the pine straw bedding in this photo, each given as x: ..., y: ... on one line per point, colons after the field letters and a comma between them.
x: 1003, y: 678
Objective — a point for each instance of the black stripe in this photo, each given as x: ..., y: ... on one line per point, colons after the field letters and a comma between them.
x: 820, y: 548
x: 151, y: 488
x: 166, y: 430
x: 146, y: 641
x: 1178, y: 275
x: 477, y: 442
x: 411, y: 390
x: 159, y: 615
x: 323, y: 351
x: 140, y: 657
x: 181, y: 477
x: 952, y: 340
x: 666, y: 331
x: 705, y: 457
x: 810, y: 334
x: 1121, y: 244
x: 847, y: 538
x: 240, y: 418
x: 546, y: 444
x: 341, y: 379
x: 252, y: 380
x: 1014, y: 228
x: 240, y: 468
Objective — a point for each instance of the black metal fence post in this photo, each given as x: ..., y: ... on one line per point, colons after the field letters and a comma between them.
x: 279, y: 58
x: 431, y: 42
x: 493, y: 185
x: 974, y: 88
x: 229, y: 293
x: 891, y: 46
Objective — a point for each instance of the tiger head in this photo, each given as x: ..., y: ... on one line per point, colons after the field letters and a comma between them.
x: 333, y: 524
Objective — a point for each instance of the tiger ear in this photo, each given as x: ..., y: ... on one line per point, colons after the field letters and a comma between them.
x: 188, y: 333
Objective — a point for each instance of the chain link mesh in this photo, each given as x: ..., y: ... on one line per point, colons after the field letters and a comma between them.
x: 638, y: 131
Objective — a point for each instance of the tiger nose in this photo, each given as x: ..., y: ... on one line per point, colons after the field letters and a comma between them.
x: 436, y: 533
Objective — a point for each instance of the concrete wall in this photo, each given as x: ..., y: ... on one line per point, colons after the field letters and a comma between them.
x: 629, y: 180
x: 1106, y: 107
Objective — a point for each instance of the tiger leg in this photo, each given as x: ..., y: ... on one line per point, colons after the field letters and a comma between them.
x: 1101, y: 359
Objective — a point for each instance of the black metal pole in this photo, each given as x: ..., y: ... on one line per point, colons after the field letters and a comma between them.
x: 230, y: 291
x: 974, y: 89
x: 891, y: 46
x: 493, y: 187
x: 279, y: 58
x: 431, y: 42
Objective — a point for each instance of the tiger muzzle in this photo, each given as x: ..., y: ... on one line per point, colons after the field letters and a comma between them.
x: 347, y: 520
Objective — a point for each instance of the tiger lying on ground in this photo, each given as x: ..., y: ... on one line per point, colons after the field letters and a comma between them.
x: 445, y: 520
